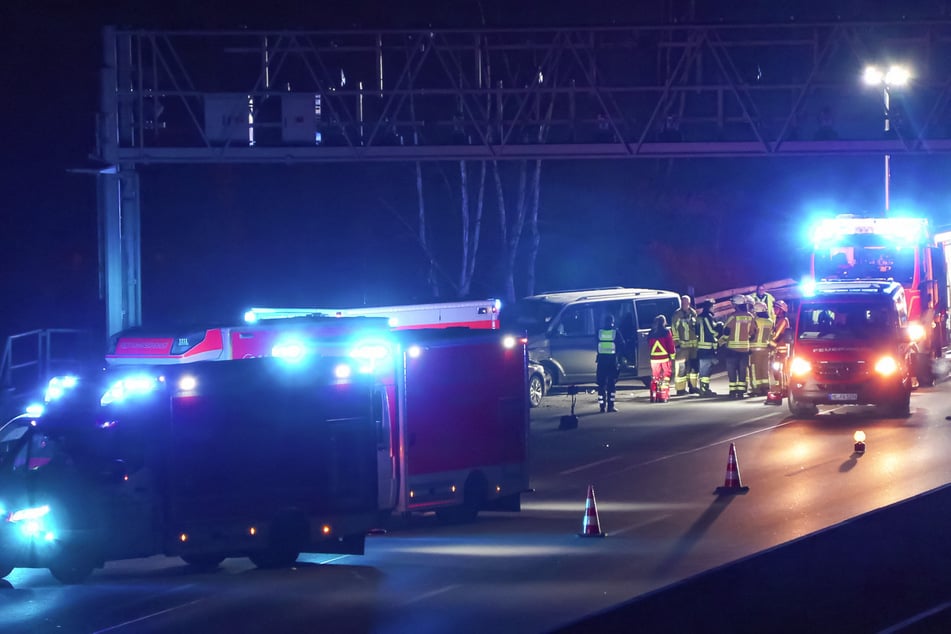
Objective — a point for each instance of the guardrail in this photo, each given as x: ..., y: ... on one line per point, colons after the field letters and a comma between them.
x: 30, y: 358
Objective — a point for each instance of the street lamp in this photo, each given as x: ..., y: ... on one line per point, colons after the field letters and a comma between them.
x: 894, y: 77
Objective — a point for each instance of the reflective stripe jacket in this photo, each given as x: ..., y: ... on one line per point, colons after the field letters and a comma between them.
x: 764, y: 333
x: 661, y: 345
x: 684, y: 326
x: 708, y: 331
x: 738, y: 330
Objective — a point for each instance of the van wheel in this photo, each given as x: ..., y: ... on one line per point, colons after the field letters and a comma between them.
x: 536, y: 390
x: 71, y: 570
x: 800, y: 409
x: 203, y: 561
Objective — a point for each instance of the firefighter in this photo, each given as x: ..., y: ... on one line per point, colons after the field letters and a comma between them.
x: 663, y: 352
x: 759, y: 350
x: 779, y: 348
x: 762, y: 295
x: 686, y: 369
x: 610, y: 344
x: 709, y: 330
x: 738, y: 331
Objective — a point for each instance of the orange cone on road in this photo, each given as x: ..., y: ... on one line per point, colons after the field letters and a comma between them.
x: 732, y: 482
x: 590, y: 525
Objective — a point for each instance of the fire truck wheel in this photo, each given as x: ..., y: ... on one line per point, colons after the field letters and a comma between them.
x: 474, y: 495
x: 800, y: 409
x: 274, y: 558
x: 536, y: 390
x: 901, y: 407
x: 5, y: 570
x: 203, y: 561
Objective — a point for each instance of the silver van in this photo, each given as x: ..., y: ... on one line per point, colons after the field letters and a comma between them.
x: 562, y: 328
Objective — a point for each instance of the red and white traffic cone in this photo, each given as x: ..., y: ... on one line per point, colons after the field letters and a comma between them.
x: 590, y: 525
x: 731, y: 484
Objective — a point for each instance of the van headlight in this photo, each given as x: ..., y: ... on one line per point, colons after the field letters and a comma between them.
x: 916, y: 331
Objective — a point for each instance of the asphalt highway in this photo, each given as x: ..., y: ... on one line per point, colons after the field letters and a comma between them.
x: 654, y: 469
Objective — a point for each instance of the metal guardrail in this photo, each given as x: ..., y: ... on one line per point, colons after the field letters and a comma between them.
x: 31, y: 358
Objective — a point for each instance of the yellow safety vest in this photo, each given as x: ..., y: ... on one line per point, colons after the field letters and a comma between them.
x: 740, y: 327
x: 684, y: 326
x: 606, y: 343
x: 764, y: 333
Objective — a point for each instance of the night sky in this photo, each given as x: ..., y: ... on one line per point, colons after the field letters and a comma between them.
x: 218, y: 239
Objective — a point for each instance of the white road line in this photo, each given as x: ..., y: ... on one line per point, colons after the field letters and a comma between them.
x: 434, y: 593
x: 148, y: 616
x: 589, y: 465
x: 714, y: 444
x: 640, y: 524
x: 898, y: 627
x: 333, y: 559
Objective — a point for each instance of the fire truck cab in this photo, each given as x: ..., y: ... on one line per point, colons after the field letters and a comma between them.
x: 852, y: 345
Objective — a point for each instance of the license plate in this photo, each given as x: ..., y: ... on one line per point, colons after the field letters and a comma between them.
x: 843, y: 397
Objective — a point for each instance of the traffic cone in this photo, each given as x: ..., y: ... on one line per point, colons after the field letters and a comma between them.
x: 732, y: 482
x: 590, y: 525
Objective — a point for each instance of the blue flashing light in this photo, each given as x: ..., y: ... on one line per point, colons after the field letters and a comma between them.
x: 807, y: 287
x: 414, y: 351
x: 35, y: 410
x: 343, y: 371
x: 290, y: 350
x: 372, y: 354
x: 32, y: 522
x: 251, y: 317
x: 58, y: 386
x: 122, y: 389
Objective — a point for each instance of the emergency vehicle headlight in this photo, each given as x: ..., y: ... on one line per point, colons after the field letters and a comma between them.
x: 58, y: 386
x: 886, y: 366
x: 343, y: 371
x: 33, y: 522
x: 129, y: 386
x: 414, y: 351
x: 187, y: 383
x: 508, y: 342
x: 799, y: 367
x: 916, y: 331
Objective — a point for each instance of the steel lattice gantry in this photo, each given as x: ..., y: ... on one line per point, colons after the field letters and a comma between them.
x: 492, y: 94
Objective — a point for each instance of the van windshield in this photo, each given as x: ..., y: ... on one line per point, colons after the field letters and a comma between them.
x: 532, y: 316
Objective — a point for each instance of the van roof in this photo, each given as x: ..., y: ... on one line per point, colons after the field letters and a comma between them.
x: 568, y: 297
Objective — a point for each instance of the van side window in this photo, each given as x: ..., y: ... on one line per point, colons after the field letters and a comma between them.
x: 647, y: 309
x: 577, y: 321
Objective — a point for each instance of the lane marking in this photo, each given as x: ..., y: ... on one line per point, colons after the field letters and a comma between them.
x: 148, y: 616
x: 434, y: 593
x: 642, y: 524
x: 714, y: 444
x: 589, y: 465
x: 898, y: 627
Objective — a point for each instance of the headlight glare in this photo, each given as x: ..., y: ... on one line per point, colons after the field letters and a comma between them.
x: 799, y: 367
x: 886, y: 366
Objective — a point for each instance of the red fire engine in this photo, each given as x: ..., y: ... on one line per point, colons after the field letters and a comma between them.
x: 851, y: 248
x: 456, y: 400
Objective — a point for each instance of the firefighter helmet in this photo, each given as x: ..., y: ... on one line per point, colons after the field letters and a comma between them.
x: 780, y: 305
x: 759, y: 307
x: 739, y: 300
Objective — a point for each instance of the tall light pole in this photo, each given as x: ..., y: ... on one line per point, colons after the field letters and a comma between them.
x: 894, y: 77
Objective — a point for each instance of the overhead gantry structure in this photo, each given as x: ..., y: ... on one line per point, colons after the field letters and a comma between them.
x: 665, y: 91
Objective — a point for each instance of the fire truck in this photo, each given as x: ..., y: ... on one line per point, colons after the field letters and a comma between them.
x: 468, y: 314
x: 260, y: 458
x: 862, y: 248
x: 456, y: 401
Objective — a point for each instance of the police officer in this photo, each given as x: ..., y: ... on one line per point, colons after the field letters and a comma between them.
x: 738, y: 330
x: 610, y: 345
x: 684, y: 327
x: 709, y: 330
